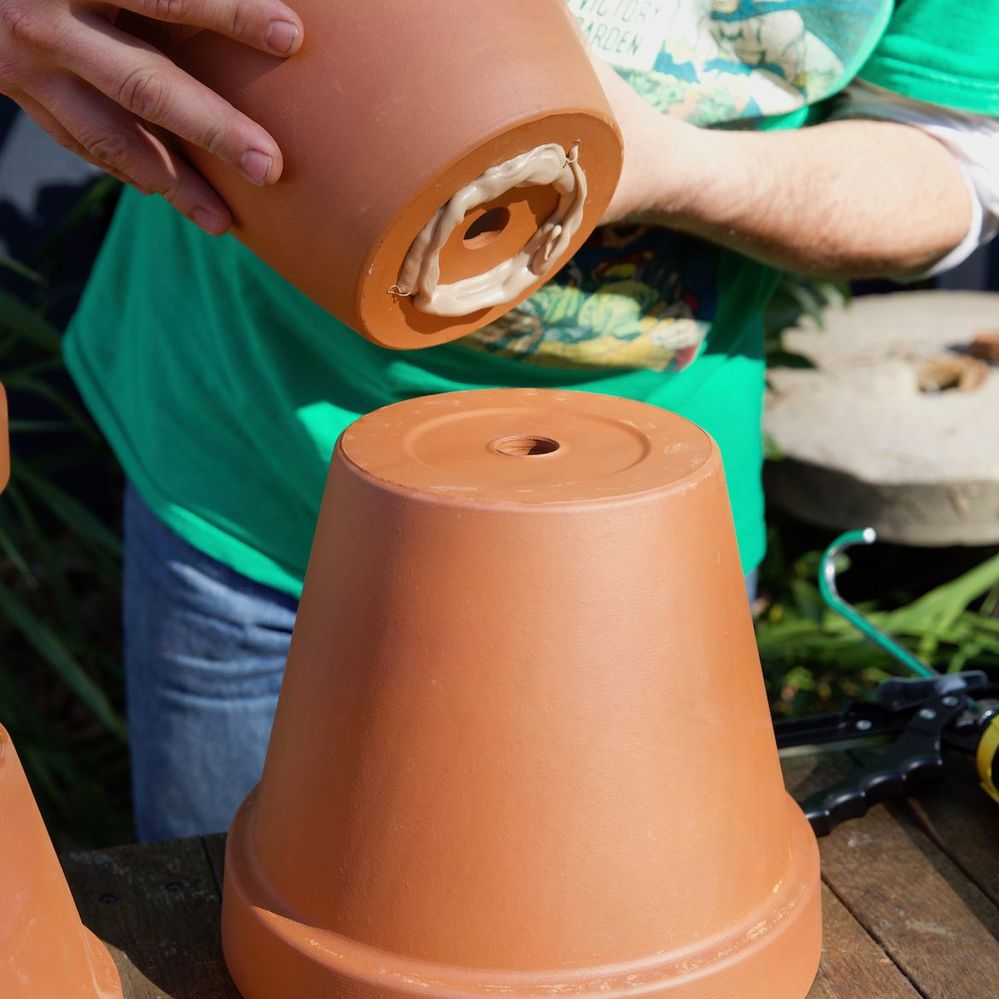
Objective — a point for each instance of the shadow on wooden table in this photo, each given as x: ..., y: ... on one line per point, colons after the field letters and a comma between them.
x: 158, y: 908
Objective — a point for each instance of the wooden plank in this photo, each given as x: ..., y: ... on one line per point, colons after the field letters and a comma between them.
x: 922, y: 887
x: 158, y: 909
x: 215, y: 852
x: 853, y: 965
x: 964, y: 823
x: 933, y: 922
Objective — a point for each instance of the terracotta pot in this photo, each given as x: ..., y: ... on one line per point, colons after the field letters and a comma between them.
x: 523, y: 744
x: 45, y: 951
x: 44, y: 948
x: 387, y: 112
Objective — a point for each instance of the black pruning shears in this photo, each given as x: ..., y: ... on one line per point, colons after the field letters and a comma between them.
x: 928, y: 713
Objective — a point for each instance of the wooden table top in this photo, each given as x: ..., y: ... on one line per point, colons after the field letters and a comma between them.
x: 911, y: 900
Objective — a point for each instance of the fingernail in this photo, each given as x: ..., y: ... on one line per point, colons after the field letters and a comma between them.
x: 256, y: 166
x: 209, y: 221
x: 282, y: 37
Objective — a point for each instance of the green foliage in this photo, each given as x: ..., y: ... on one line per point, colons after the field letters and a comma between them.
x: 60, y: 674
x: 813, y: 659
x: 797, y: 298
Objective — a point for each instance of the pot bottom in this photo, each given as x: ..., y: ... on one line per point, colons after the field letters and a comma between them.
x: 773, y: 953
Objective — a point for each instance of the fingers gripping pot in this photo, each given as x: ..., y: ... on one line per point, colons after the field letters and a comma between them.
x: 502, y: 757
x: 442, y: 160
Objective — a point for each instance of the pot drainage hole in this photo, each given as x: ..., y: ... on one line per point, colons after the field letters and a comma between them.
x: 486, y: 228
x: 524, y: 445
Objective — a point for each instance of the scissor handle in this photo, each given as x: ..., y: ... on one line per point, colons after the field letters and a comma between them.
x: 913, y: 760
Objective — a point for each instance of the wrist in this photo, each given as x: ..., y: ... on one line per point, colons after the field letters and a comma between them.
x: 707, y: 180
x: 669, y: 178
x: 681, y: 171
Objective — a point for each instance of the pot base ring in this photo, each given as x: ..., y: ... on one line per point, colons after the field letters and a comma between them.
x: 772, y: 953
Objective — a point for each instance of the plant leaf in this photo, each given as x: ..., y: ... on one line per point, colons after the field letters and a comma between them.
x: 16, y: 317
x: 22, y: 270
x: 81, y: 523
x: 52, y: 650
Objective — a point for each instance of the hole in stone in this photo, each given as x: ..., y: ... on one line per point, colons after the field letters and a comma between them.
x: 486, y: 228
x: 949, y: 372
x: 524, y: 445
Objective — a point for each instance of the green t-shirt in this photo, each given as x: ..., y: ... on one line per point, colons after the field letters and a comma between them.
x: 223, y: 390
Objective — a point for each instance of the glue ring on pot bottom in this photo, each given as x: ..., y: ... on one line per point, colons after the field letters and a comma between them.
x: 547, y: 165
x: 772, y: 952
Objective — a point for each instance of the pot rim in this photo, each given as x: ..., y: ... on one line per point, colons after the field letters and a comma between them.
x: 789, y: 918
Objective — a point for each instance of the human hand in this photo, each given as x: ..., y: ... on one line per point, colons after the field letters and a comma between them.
x: 108, y: 96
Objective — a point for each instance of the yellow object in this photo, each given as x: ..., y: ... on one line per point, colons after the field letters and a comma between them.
x: 988, y: 750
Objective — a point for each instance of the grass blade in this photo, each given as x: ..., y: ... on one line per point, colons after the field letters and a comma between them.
x: 52, y: 650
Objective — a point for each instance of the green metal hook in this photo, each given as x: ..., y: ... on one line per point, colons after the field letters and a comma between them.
x: 827, y: 586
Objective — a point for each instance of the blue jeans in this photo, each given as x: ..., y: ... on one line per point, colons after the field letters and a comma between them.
x: 205, y: 649
x: 204, y: 654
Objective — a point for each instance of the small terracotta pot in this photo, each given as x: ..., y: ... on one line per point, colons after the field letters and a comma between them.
x: 388, y: 111
x: 523, y: 744
x: 45, y: 951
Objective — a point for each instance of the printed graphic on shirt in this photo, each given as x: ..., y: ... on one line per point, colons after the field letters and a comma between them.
x: 645, y: 303
x: 633, y: 297
x: 629, y: 34
x: 720, y: 61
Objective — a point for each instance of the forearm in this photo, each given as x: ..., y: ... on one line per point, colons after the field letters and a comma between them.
x: 845, y: 199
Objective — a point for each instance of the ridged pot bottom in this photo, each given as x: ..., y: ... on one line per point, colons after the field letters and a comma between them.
x: 772, y: 953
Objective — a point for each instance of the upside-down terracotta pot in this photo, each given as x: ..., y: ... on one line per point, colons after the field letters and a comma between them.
x: 442, y: 160
x: 45, y: 951
x: 523, y: 745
